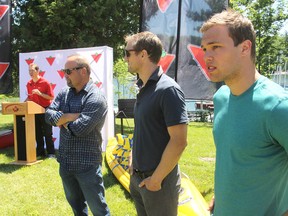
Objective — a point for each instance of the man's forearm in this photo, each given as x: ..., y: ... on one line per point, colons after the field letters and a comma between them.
x: 46, y: 96
x: 67, y: 117
x: 169, y: 160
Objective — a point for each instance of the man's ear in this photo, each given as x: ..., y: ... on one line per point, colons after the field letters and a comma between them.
x: 144, y: 53
x: 246, y: 47
x: 84, y: 71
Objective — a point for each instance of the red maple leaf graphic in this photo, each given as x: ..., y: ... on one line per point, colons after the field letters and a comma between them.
x: 15, y: 109
x: 50, y: 60
x: 29, y: 61
x: 53, y: 85
x: 61, y: 73
x: 163, y: 5
x: 3, y: 68
x: 41, y: 73
x: 3, y: 10
x: 166, y: 61
x: 96, y: 57
x: 98, y: 84
x: 198, y: 56
x: 54, y: 139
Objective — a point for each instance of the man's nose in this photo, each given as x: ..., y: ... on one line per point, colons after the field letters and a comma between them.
x: 208, y: 57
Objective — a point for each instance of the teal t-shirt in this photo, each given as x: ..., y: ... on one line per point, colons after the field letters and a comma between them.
x: 251, y: 138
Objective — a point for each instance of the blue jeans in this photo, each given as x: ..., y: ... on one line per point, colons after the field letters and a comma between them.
x: 82, y: 186
x: 160, y: 203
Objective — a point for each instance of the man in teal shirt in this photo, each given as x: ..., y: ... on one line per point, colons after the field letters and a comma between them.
x: 250, y: 123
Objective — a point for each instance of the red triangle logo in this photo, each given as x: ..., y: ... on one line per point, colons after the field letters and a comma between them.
x: 61, y: 73
x: 53, y: 86
x: 41, y: 73
x: 3, y: 68
x: 166, y: 61
x: 29, y: 61
x: 98, y: 84
x: 198, y: 56
x: 163, y: 5
x: 50, y: 60
x: 3, y: 10
x: 96, y: 57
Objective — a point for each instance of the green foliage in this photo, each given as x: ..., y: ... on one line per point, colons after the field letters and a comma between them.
x: 121, y: 69
x: 267, y: 17
x: 52, y: 25
x: 124, y: 78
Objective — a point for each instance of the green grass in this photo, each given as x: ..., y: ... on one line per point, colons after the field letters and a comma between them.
x: 198, y: 159
x: 6, y: 121
x: 37, y: 190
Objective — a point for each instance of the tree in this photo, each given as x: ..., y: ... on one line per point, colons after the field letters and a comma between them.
x: 52, y: 24
x: 267, y: 17
x: 124, y: 78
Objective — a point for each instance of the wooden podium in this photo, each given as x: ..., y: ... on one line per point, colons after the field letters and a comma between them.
x: 24, y: 130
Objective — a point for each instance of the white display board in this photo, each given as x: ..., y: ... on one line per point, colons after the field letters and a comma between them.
x: 50, y: 64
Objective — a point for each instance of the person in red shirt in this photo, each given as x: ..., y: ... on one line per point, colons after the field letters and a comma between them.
x: 40, y: 91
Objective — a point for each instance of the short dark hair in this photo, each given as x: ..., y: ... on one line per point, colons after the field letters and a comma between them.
x: 240, y: 28
x: 146, y: 41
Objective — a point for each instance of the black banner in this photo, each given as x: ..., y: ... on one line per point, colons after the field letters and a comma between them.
x: 177, y: 24
x: 5, y: 48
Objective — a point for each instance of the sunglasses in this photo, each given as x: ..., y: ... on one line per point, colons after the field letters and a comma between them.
x: 127, y: 53
x: 69, y: 71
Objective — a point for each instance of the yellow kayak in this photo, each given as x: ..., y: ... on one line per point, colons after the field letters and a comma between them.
x: 191, y: 202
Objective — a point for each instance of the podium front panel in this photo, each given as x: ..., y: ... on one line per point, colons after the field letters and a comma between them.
x: 21, y: 138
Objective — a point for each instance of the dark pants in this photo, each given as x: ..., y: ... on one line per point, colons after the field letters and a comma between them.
x: 43, y: 130
x: 160, y: 203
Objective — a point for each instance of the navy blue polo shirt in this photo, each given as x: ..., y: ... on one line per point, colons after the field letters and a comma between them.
x: 160, y: 104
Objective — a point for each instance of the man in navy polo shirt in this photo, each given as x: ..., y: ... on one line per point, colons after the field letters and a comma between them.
x: 160, y: 134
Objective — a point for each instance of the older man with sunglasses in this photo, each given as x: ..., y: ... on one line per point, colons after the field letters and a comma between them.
x: 80, y: 111
x: 160, y: 130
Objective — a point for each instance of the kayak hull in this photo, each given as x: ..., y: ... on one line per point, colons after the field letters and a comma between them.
x: 191, y: 202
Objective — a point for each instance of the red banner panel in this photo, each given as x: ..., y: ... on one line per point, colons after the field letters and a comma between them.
x: 177, y: 24
x: 5, y: 48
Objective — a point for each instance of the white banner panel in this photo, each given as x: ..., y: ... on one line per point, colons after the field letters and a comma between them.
x: 50, y: 64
